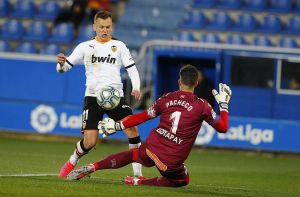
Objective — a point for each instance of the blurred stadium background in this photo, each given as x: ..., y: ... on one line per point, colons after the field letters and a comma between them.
x: 252, y: 45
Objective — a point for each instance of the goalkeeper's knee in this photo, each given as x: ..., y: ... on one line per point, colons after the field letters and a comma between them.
x: 181, y: 182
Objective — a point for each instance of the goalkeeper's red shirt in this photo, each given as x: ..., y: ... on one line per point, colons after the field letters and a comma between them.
x: 181, y: 116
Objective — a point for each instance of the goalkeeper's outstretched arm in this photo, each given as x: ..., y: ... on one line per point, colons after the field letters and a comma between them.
x: 133, y: 120
x: 108, y: 126
x: 221, y: 125
x: 222, y: 97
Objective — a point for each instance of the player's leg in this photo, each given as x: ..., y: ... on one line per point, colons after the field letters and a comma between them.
x: 121, y: 159
x: 83, y: 146
x: 122, y: 111
x: 113, y: 161
x: 176, y: 177
x: 92, y: 113
x: 170, y: 178
x: 134, y: 142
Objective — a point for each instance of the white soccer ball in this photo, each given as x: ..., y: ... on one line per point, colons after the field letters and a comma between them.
x: 108, y: 98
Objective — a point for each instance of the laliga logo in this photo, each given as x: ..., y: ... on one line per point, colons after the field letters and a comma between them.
x: 205, y: 134
x: 248, y: 133
x: 43, y: 119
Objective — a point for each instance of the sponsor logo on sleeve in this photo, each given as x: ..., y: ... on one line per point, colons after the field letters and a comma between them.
x: 151, y: 112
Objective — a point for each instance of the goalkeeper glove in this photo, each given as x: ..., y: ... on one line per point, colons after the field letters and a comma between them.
x: 223, y: 96
x: 108, y: 126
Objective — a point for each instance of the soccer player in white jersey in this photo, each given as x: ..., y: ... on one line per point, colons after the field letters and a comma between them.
x: 103, y: 57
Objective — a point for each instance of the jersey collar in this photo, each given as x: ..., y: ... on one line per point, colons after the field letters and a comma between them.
x: 102, y: 42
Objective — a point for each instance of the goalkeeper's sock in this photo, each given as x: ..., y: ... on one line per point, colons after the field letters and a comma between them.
x: 114, y: 161
x: 79, y: 151
x: 137, y: 168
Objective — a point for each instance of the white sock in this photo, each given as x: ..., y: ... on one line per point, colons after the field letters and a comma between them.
x: 78, y: 152
x: 137, y: 168
x: 74, y: 158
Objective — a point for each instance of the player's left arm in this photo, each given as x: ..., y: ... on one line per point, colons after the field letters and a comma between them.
x: 133, y: 73
x: 222, y: 97
x: 221, y: 125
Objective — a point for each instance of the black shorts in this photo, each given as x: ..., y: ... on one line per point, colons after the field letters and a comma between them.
x: 93, y: 113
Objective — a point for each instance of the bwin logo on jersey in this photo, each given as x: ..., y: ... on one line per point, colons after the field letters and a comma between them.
x: 205, y: 134
x: 43, y: 119
x: 107, y: 59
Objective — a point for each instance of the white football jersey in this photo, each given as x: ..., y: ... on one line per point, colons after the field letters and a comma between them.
x: 103, y: 61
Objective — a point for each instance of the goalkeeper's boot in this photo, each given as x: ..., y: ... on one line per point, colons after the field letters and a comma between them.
x: 66, y: 169
x: 129, y: 180
x: 81, y: 172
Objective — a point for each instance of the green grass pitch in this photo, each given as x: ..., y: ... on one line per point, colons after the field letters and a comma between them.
x: 30, y: 168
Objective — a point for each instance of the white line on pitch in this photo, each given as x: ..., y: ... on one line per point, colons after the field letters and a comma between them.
x: 27, y: 175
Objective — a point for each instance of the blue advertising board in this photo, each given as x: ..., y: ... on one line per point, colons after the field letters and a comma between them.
x: 51, y: 119
x: 244, y: 133
x: 36, y: 99
x: 36, y: 81
x: 257, y: 134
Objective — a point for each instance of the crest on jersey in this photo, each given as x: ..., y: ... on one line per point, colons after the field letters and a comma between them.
x: 114, y: 48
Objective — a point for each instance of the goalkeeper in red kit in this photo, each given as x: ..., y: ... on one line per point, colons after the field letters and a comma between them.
x: 169, y: 144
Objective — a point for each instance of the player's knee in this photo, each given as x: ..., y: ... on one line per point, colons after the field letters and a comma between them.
x: 186, y: 181
x: 89, y: 143
x: 182, y: 182
x: 90, y: 139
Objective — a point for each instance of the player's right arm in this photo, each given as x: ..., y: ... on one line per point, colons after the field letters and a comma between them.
x: 222, y: 97
x: 66, y: 63
x: 108, y: 126
x: 136, y: 119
